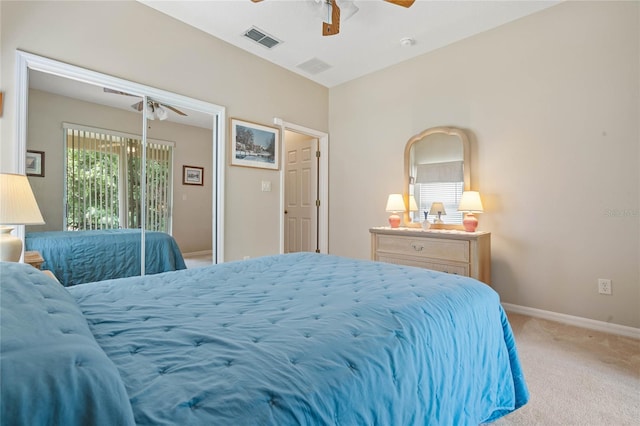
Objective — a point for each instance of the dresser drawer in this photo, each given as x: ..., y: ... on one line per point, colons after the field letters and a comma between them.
x: 432, y: 248
x: 451, y: 268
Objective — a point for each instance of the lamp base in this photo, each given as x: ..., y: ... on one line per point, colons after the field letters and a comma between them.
x: 10, y: 245
x: 394, y: 220
x: 470, y: 222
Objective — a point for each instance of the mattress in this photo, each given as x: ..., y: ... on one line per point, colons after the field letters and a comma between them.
x: 307, y: 339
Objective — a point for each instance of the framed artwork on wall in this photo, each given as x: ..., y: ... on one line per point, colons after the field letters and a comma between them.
x: 35, y: 163
x: 254, y: 145
x: 192, y: 175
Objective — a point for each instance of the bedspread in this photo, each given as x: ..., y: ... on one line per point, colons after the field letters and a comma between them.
x: 307, y: 339
x: 77, y: 257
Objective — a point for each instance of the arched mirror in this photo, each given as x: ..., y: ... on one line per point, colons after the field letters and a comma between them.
x: 436, y: 170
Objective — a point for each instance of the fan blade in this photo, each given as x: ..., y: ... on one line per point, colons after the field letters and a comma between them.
x: 117, y: 92
x: 403, y: 3
x: 334, y: 27
x: 138, y: 106
x: 177, y: 111
x: 256, y: 1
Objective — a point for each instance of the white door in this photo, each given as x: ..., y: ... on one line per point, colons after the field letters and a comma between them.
x: 301, y: 189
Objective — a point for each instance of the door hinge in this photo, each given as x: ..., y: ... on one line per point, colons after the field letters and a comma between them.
x: 317, y: 203
x: 317, y: 154
x: 317, y: 250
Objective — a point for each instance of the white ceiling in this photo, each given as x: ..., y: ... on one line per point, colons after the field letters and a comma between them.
x: 368, y: 41
x: 95, y: 94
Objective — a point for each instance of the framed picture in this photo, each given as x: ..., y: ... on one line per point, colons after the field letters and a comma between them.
x: 35, y: 163
x: 192, y: 175
x: 254, y: 145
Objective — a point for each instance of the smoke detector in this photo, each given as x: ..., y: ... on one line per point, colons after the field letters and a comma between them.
x: 407, y: 42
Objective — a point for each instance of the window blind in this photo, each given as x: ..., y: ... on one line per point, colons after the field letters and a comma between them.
x: 449, y: 193
x: 102, y: 182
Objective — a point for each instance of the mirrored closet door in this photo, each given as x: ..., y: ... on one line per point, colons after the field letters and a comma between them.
x: 113, y: 155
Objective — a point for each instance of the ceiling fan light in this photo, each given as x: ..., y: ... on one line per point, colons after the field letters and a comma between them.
x: 347, y: 9
x: 161, y: 113
x: 150, y: 112
x: 319, y: 8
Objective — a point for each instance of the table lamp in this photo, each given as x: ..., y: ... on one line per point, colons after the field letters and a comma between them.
x: 470, y: 203
x: 413, y: 206
x: 395, y: 205
x: 437, y: 209
x: 17, y: 207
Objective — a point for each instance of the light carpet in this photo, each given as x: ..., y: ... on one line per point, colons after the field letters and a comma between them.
x: 575, y: 376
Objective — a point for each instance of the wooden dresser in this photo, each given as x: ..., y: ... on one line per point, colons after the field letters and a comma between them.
x: 455, y: 252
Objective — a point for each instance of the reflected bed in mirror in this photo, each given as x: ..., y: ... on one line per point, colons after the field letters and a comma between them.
x: 436, y: 170
x: 93, y: 124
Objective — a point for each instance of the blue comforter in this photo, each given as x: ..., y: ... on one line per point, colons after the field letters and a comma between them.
x: 307, y: 339
x: 77, y: 257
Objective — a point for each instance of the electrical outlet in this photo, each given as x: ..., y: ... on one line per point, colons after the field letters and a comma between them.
x: 604, y: 286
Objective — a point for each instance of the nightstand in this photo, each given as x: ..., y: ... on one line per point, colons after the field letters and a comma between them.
x: 33, y: 258
x: 454, y: 252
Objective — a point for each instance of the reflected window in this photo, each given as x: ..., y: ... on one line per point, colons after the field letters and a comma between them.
x: 448, y: 193
x: 103, y: 181
x: 439, y: 182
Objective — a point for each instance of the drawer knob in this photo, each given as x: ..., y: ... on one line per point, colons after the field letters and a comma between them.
x: 417, y: 247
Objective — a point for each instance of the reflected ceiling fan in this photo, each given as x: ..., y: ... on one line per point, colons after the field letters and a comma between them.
x: 332, y: 24
x: 154, y: 109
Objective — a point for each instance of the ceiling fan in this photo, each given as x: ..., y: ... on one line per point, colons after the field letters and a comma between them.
x: 332, y: 25
x: 154, y: 109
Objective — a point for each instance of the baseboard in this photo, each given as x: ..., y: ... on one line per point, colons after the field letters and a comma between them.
x: 620, y: 330
x: 197, y: 253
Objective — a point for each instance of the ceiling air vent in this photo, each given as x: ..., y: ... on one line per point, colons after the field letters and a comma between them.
x: 262, y: 38
x: 314, y: 66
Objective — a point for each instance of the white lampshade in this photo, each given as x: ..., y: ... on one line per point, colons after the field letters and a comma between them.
x: 17, y: 207
x: 413, y: 206
x: 161, y: 113
x: 150, y: 112
x: 17, y: 204
x: 470, y: 202
x: 395, y: 203
x: 437, y: 208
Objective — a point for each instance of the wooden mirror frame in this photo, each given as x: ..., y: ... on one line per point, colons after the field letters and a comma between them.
x: 450, y: 131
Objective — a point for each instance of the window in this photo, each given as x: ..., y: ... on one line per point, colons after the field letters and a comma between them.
x: 103, y: 180
x: 448, y: 193
x: 443, y: 182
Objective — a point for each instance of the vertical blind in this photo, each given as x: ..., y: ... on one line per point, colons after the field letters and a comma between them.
x: 102, y: 182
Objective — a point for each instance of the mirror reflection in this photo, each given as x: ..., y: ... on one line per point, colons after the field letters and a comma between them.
x: 436, y: 174
x: 91, y: 140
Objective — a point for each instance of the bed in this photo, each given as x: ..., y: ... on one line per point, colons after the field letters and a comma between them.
x: 296, y: 339
x: 77, y: 257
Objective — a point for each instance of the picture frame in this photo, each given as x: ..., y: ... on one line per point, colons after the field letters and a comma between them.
x: 254, y: 145
x: 34, y: 163
x: 192, y: 175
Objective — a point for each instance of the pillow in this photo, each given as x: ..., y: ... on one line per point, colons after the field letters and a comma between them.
x: 52, y: 369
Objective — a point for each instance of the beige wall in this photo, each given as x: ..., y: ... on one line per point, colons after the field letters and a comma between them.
x: 192, y: 204
x: 551, y: 103
x: 114, y: 38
